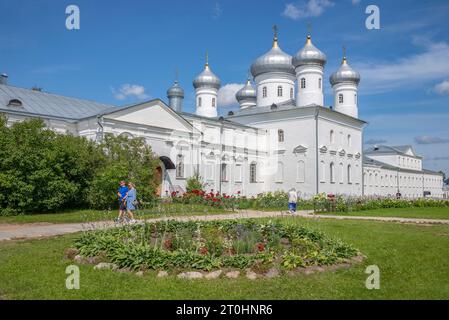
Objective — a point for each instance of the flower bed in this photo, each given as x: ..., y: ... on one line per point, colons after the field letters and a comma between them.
x: 245, y: 244
x: 335, y: 203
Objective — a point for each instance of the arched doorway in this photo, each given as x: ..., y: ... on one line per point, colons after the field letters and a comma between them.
x: 162, y: 176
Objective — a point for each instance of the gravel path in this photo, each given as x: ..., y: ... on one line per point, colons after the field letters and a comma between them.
x: 38, y: 230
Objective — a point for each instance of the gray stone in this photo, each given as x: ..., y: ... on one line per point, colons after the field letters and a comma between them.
x: 214, y: 274
x: 162, y: 274
x: 233, y: 274
x: 251, y: 275
x: 71, y: 253
x: 309, y: 271
x: 139, y: 273
x: 272, y: 273
x: 106, y: 266
x: 94, y: 260
x: 79, y: 259
x: 357, y: 259
x: 190, y: 275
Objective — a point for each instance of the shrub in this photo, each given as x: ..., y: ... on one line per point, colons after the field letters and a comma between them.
x: 214, y: 244
x: 43, y: 171
x: 125, y: 159
x: 194, y: 183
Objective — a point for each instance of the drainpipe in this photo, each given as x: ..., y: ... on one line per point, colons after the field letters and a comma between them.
x: 317, y: 111
x: 100, y: 129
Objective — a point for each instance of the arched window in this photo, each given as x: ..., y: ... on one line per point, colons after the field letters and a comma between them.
x: 180, y: 166
x: 323, y: 171
x: 355, y: 98
x: 213, y: 102
x: 264, y: 92
x: 280, y: 93
x: 281, y: 135
x: 200, y: 102
x: 303, y: 83
x: 280, y: 172
x: 340, y: 98
x: 332, y: 136
x: 350, y: 174
x: 349, y: 140
x: 342, y: 174
x: 319, y: 83
x: 291, y: 93
x: 301, y: 172
x: 224, y: 172
x: 332, y: 172
x: 14, y: 103
x: 253, y: 173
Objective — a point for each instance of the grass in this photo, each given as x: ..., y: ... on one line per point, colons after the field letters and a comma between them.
x: 423, y: 213
x: 75, y: 216
x: 412, y: 260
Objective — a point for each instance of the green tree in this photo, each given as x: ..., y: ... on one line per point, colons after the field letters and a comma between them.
x: 43, y: 171
x: 129, y: 160
x: 195, y: 182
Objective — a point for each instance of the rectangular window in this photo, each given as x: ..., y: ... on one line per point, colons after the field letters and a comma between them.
x: 253, y: 173
x: 238, y: 173
x: 180, y: 167
x: 224, y: 172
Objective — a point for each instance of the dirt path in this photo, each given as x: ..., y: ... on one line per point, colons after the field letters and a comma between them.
x: 38, y: 230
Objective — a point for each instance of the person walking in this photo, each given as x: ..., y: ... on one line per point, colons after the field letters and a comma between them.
x: 131, y: 201
x: 292, y: 200
x: 121, y: 194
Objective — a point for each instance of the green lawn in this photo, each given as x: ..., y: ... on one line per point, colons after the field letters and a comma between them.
x: 424, y: 213
x: 413, y: 261
x: 97, y: 215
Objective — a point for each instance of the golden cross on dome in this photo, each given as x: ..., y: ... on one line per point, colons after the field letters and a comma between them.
x: 344, y: 54
x: 309, y: 29
x: 275, y: 30
x: 207, y: 58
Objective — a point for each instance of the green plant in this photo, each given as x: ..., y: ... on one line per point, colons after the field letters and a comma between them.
x: 210, y: 245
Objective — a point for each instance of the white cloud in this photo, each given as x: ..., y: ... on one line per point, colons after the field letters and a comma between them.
x: 442, y: 88
x: 130, y: 90
x: 375, y: 141
x: 355, y: 2
x: 311, y: 8
x: 226, y: 95
x: 430, y: 140
x: 406, y: 72
x: 217, y: 11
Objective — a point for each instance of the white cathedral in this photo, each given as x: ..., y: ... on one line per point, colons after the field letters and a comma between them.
x: 282, y: 137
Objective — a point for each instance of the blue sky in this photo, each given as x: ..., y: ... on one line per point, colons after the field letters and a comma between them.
x: 128, y: 51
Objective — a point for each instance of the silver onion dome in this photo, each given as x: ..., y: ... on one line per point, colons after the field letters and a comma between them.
x: 274, y: 60
x: 207, y: 79
x: 248, y: 92
x: 345, y: 74
x: 175, y: 91
x: 309, y: 55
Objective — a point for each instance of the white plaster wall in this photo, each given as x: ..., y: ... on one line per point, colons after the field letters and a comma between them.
x: 350, y: 97
x: 206, y: 95
x: 312, y: 94
x: 272, y: 81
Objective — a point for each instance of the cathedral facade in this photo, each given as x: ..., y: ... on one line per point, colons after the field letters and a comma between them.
x: 282, y: 137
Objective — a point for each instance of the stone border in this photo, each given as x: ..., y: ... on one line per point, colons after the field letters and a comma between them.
x: 100, y: 264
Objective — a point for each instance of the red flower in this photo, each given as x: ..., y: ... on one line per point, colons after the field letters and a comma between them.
x: 260, y: 247
x: 203, y: 251
x: 168, y: 244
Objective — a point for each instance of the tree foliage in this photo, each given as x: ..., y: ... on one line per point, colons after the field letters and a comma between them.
x: 195, y: 182
x: 43, y: 171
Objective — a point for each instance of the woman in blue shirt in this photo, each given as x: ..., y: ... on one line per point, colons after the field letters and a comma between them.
x: 131, y: 198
